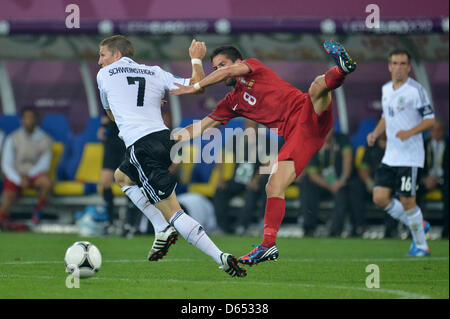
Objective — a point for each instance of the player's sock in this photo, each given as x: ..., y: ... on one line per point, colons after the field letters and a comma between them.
x: 395, y: 209
x: 108, y: 197
x: 151, y: 212
x: 40, y: 204
x: 195, y: 234
x: 275, y: 210
x: 334, y: 77
x: 415, y: 225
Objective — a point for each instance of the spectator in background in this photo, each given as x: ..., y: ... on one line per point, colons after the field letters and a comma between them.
x: 25, y: 163
x: 245, y: 179
x: 330, y: 173
x: 2, y: 139
x: 433, y: 170
x: 445, y: 191
x: 114, y: 151
x: 433, y: 175
x: 366, y: 170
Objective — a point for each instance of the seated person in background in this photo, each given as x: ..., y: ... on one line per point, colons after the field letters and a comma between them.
x: 330, y: 173
x: 114, y: 152
x: 433, y: 170
x: 366, y: 170
x: 246, y: 178
x: 2, y: 139
x: 25, y: 163
x: 445, y: 192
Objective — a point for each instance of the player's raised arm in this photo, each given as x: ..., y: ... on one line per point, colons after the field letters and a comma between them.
x: 195, y: 130
x: 221, y: 74
x: 197, y: 52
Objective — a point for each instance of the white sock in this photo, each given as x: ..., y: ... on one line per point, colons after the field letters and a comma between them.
x: 415, y: 225
x: 195, y: 234
x: 150, y: 211
x: 395, y: 209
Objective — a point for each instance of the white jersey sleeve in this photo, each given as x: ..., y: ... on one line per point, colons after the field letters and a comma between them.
x: 168, y: 79
x: 103, y: 97
x: 133, y: 93
x: 423, y: 104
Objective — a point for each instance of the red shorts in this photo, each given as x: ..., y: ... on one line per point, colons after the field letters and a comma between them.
x: 307, y: 135
x: 9, y: 185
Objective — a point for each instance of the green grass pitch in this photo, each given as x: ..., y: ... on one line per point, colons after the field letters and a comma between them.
x: 32, y: 266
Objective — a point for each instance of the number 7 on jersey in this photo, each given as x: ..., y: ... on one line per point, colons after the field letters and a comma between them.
x: 141, y: 88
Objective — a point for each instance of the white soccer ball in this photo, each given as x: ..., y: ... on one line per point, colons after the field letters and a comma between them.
x: 83, y: 259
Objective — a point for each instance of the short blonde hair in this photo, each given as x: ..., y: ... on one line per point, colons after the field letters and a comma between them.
x: 119, y: 43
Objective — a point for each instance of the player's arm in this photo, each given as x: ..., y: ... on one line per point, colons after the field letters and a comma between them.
x: 110, y: 115
x: 197, y: 52
x: 421, y: 127
x: 379, y: 129
x: 234, y: 70
x: 195, y: 130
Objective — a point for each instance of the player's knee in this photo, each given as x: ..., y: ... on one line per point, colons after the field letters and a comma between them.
x: 120, y: 178
x: 380, y: 199
x: 317, y: 87
x: 274, y: 190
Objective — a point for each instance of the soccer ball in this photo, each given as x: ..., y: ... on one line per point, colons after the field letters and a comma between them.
x: 83, y: 259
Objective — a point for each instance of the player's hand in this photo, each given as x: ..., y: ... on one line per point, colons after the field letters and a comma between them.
x: 403, y: 135
x: 371, y: 138
x: 197, y: 50
x: 183, y: 89
x: 101, y: 133
x: 25, y: 181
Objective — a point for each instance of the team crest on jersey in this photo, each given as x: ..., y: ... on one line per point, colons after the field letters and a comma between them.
x: 401, y: 103
x: 249, y: 83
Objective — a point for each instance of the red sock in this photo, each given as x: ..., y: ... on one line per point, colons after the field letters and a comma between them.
x: 275, y: 209
x: 334, y: 77
x: 39, y: 205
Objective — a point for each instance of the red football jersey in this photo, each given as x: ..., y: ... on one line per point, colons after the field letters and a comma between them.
x: 262, y: 96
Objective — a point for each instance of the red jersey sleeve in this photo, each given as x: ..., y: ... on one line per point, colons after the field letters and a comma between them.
x: 223, y: 112
x: 254, y: 65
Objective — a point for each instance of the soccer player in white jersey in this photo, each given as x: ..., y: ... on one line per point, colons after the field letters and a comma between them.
x: 131, y: 94
x: 406, y: 114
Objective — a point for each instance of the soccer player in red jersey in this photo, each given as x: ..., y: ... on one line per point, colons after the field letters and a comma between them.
x: 302, y: 119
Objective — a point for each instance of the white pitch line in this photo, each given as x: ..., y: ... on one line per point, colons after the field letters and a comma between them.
x: 400, y: 293
x: 143, y: 260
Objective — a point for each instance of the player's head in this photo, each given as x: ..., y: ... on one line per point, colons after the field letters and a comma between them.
x: 225, y: 56
x: 399, y: 64
x: 114, y: 48
x: 29, y: 118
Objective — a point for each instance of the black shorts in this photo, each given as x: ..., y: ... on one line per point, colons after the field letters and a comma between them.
x: 403, y: 180
x: 114, y: 152
x: 147, y: 162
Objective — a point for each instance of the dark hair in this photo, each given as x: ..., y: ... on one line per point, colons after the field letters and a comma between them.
x: 399, y: 52
x: 29, y: 109
x: 119, y: 43
x: 229, y: 51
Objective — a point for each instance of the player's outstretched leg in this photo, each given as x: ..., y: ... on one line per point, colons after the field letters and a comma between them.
x: 340, y: 56
x: 414, y: 251
x: 161, y: 244
x: 230, y: 266
x: 260, y: 254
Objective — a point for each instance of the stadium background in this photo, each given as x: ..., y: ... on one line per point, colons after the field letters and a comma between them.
x: 45, y: 64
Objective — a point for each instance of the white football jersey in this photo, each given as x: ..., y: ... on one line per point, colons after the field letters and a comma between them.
x: 403, y: 109
x: 133, y: 92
